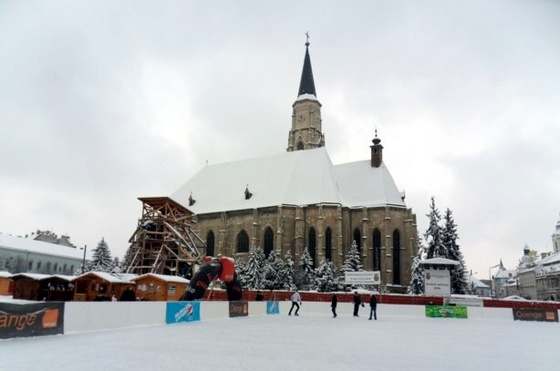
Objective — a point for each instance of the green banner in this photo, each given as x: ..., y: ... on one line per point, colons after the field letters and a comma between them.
x: 446, y: 311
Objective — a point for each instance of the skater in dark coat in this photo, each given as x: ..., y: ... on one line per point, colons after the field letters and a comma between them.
x: 357, y: 302
x: 334, y: 302
x: 373, y: 307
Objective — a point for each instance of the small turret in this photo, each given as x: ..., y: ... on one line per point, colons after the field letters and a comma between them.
x: 376, y: 151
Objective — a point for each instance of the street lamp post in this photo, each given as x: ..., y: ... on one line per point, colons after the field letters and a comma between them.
x: 492, y: 280
x: 84, y: 259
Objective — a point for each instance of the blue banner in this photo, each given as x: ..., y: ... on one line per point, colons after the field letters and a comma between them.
x: 272, y: 307
x: 182, y: 311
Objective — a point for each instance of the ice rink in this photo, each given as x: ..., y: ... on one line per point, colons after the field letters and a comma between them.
x: 308, y: 342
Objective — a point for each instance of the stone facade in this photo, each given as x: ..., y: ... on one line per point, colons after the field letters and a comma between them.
x: 327, y: 230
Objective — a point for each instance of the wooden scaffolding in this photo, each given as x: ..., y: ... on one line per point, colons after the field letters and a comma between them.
x: 164, y: 242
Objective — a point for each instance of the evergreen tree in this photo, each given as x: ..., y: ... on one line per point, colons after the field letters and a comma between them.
x: 286, y: 273
x: 127, y: 260
x: 459, y: 282
x: 101, y: 259
x: 255, y: 269
x: 241, y: 270
x: 417, y: 271
x: 306, y: 273
x: 433, y: 235
x: 325, y: 276
x: 272, y: 269
x: 353, y: 260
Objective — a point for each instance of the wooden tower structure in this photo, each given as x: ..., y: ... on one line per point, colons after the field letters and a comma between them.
x: 164, y: 242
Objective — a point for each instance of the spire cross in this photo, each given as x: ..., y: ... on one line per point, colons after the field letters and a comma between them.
x: 307, y: 38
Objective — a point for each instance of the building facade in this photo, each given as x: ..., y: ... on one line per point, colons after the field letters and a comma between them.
x: 299, y: 199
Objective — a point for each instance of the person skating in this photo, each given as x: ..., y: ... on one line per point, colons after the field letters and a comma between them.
x: 296, y: 302
x: 357, y: 302
x: 334, y: 302
x: 373, y: 307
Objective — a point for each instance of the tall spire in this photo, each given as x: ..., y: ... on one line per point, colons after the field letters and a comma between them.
x: 307, y: 84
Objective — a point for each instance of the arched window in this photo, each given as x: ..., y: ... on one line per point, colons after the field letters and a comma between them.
x: 268, y: 241
x: 300, y: 146
x: 242, y: 241
x: 64, y: 269
x: 30, y: 266
x: 376, y: 250
x: 48, y: 267
x: 396, y: 257
x: 210, y: 241
x: 313, y: 246
x: 358, y: 239
x: 328, y: 244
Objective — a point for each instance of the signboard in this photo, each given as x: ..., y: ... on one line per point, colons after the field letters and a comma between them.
x: 238, y: 309
x: 182, y: 311
x: 437, y: 282
x: 272, y: 307
x: 362, y: 278
x: 541, y: 315
x: 464, y: 302
x: 442, y: 311
x: 23, y: 320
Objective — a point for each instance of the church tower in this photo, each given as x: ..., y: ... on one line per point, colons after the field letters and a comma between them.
x: 306, y: 112
x: 556, y: 238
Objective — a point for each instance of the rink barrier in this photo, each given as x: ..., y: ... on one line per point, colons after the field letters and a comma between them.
x: 80, y: 317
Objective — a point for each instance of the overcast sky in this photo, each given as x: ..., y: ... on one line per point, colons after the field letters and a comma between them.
x: 103, y: 102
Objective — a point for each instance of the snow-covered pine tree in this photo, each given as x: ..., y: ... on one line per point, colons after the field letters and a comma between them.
x: 241, y: 270
x: 255, y: 269
x: 325, y: 277
x: 127, y: 260
x: 435, y: 248
x: 273, y: 266
x: 417, y: 271
x: 305, y: 273
x: 101, y: 259
x: 353, y: 260
x: 459, y: 282
x: 286, y: 273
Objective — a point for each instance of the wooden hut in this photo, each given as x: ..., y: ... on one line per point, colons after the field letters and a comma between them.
x: 159, y: 287
x: 6, y: 283
x: 35, y: 286
x: 101, y: 286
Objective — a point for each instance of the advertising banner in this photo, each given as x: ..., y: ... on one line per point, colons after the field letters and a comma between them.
x: 440, y: 311
x: 541, y: 315
x: 362, y: 278
x: 272, y: 307
x: 238, y: 309
x: 22, y: 320
x: 182, y: 311
x: 437, y: 282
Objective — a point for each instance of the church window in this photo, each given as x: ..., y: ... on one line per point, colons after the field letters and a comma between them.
x: 358, y: 239
x: 313, y: 246
x: 242, y: 242
x: 328, y: 244
x: 210, y: 241
x: 396, y: 257
x: 268, y: 241
x: 300, y: 146
x: 376, y: 250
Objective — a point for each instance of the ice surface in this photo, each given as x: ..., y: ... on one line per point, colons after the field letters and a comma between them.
x: 308, y: 342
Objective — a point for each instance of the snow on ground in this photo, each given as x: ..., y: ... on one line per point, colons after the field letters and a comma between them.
x: 307, y: 342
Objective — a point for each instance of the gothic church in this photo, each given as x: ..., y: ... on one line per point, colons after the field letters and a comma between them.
x: 298, y: 199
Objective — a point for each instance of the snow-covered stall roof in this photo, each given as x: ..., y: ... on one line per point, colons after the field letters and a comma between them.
x: 109, y: 277
x: 5, y: 274
x: 39, y: 247
x: 439, y: 261
x: 291, y: 178
x: 163, y: 277
x: 40, y: 276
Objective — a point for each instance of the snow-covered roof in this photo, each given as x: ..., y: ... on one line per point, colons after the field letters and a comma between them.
x: 306, y: 96
x: 439, y: 261
x: 163, y: 277
x: 291, y: 178
x: 35, y: 276
x: 110, y: 277
x: 39, y: 247
x: 477, y: 283
x: 5, y: 274
x: 505, y: 273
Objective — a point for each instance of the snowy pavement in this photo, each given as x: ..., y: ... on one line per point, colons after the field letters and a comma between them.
x: 307, y: 342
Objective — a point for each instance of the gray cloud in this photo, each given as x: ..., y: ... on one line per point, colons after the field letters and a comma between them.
x: 103, y: 103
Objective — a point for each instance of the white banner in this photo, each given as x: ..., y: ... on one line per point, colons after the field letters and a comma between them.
x: 437, y: 282
x: 362, y: 278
